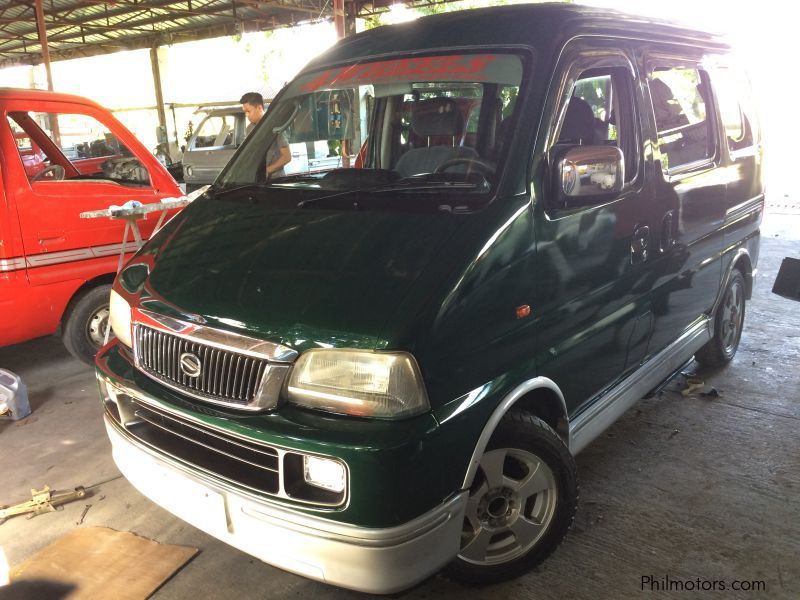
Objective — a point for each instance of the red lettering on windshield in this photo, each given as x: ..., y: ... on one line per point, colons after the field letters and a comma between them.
x: 318, y: 82
x: 478, y: 63
x: 353, y: 72
x: 450, y: 64
x: 435, y: 67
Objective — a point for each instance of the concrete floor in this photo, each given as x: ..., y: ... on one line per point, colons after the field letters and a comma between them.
x: 687, y: 488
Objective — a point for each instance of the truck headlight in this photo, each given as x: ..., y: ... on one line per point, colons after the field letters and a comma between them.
x: 120, y: 318
x: 361, y: 383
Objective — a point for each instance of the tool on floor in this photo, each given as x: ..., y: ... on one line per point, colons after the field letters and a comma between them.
x: 13, y: 396
x: 693, y: 384
x: 42, y: 501
x: 83, y: 514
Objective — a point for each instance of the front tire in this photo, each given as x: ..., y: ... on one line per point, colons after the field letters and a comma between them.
x: 85, y: 325
x: 728, y: 322
x: 521, y: 502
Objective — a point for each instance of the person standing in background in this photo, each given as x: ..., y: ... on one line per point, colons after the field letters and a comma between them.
x: 278, y: 154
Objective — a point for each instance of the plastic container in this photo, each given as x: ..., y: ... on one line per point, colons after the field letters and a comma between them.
x: 13, y: 396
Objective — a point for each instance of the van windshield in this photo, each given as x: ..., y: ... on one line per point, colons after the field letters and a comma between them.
x: 421, y: 123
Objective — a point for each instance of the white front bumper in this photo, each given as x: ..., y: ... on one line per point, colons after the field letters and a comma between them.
x: 379, y: 561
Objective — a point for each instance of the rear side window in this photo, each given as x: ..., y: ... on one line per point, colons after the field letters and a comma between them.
x: 736, y: 107
x: 681, y: 109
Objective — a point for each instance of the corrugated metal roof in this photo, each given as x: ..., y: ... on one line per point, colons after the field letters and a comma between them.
x: 78, y: 28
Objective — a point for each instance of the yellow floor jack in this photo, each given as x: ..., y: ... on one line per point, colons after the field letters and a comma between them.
x: 14, y: 405
x: 42, y: 501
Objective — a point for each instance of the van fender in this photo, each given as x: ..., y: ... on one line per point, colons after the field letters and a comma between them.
x: 741, y: 255
x: 506, y: 405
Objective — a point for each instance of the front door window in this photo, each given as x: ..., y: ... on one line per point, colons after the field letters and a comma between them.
x: 73, y: 147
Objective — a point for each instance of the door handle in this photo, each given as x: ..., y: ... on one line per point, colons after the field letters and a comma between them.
x: 50, y: 237
x: 667, y: 239
x: 639, y: 244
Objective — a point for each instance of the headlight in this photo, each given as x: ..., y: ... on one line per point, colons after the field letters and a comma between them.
x: 362, y: 383
x: 120, y: 317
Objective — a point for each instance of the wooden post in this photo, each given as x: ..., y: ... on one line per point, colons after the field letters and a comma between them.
x: 338, y: 18
x: 163, y: 140
x: 351, y: 8
x: 40, y: 26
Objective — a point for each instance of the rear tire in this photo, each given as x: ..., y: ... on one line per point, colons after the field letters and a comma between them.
x: 85, y: 324
x: 728, y: 322
x: 521, y: 503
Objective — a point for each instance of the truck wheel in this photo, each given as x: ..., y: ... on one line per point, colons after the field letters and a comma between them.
x: 521, y: 502
x: 728, y: 321
x: 86, y: 322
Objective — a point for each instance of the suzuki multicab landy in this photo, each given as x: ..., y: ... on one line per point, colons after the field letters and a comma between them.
x: 367, y: 374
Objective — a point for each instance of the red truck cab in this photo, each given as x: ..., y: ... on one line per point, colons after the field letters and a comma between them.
x: 61, y: 155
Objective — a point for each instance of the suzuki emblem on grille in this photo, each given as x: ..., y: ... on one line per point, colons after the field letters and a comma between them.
x: 190, y: 364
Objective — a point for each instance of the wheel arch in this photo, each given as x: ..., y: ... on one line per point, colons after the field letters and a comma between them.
x: 540, y: 397
x: 90, y: 284
x: 742, y: 262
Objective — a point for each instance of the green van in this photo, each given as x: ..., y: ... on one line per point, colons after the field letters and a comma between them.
x: 366, y: 374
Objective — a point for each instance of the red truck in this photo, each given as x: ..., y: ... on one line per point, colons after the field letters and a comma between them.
x: 61, y: 155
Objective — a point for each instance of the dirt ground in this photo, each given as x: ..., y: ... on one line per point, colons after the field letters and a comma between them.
x: 703, y: 490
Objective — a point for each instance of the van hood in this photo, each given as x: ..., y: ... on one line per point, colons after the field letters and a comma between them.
x: 302, y: 277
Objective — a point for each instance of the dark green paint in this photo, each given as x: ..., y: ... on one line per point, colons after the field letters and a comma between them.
x: 445, y: 286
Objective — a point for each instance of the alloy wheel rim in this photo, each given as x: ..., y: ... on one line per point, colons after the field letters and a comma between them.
x: 510, y: 507
x: 96, y: 328
x: 732, y: 316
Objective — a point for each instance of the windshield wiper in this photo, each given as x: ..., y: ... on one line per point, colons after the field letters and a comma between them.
x: 398, y: 186
x: 403, y: 185
x: 295, y: 177
x: 237, y: 188
x: 260, y: 185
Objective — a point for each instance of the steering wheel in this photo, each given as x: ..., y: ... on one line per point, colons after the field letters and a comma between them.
x: 485, y: 166
x: 51, y: 173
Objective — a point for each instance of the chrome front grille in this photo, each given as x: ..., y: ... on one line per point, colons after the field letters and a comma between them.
x: 201, y: 370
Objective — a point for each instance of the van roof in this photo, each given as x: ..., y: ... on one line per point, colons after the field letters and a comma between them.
x: 545, y: 27
x: 31, y: 94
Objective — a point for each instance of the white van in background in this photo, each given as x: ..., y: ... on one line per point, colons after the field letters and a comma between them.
x: 222, y: 131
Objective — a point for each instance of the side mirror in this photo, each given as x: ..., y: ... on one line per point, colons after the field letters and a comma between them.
x: 787, y: 283
x: 587, y: 175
